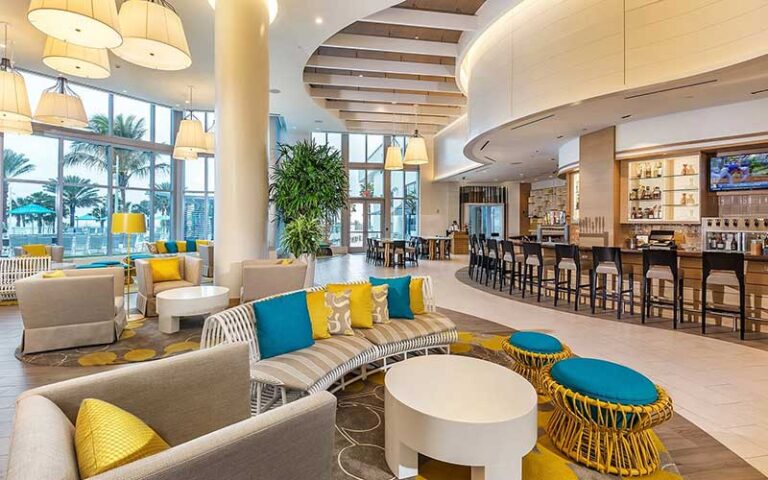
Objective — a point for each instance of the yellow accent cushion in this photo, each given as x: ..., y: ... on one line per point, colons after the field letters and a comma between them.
x: 161, y: 247
x: 54, y: 274
x: 319, y: 312
x: 107, y: 437
x: 417, y: 296
x: 181, y: 246
x: 202, y: 242
x: 285, y: 261
x: 165, y: 269
x: 35, y: 250
x: 361, y: 302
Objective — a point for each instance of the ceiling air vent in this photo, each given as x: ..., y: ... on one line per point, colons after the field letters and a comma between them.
x: 532, y: 122
x: 485, y: 145
x: 490, y: 159
x: 759, y: 91
x: 705, y: 82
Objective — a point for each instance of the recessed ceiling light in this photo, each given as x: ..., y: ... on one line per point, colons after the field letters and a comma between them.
x: 274, y: 90
x: 361, y: 75
x: 125, y: 91
x: 318, y: 121
x: 416, y: 37
x: 186, y: 101
x: 319, y: 20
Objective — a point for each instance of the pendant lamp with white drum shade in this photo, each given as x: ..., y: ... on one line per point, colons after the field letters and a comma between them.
x: 416, y: 152
x: 190, y: 139
x: 14, y: 99
x: 90, y: 23
x: 60, y: 106
x: 153, y: 36
x: 76, y: 60
x: 16, y: 127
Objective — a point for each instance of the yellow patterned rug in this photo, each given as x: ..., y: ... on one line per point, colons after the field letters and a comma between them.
x: 141, y: 341
x: 359, y: 451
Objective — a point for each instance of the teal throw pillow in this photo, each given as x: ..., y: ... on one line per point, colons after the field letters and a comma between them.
x: 283, y: 324
x: 171, y: 247
x: 191, y: 245
x: 398, y: 297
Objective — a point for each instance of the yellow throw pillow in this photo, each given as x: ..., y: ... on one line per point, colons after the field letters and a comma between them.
x: 417, y: 296
x: 202, y: 242
x: 35, y: 250
x: 181, y: 247
x: 54, y: 274
x: 161, y: 247
x: 107, y: 437
x: 380, y: 303
x: 319, y: 313
x: 361, y: 302
x: 285, y: 261
x: 165, y: 269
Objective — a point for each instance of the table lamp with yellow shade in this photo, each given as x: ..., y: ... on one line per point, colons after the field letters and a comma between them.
x: 129, y: 223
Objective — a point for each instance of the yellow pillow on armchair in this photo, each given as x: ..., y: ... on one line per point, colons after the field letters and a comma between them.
x: 165, y: 269
x: 35, y: 250
x: 107, y: 437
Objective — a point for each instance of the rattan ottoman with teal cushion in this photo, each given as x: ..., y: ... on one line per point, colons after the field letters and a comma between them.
x: 532, y: 351
x: 603, y: 415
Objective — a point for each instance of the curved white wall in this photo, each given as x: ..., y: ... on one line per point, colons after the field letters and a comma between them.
x: 449, y: 156
x: 569, y: 154
x: 542, y: 54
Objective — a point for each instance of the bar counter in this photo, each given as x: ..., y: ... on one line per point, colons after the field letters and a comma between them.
x: 756, y: 272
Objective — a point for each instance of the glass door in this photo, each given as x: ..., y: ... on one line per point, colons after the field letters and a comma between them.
x: 366, y: 220
x: 486, y: 219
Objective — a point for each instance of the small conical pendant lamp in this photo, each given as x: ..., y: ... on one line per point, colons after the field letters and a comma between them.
x: 76, y: 60
x: 394, y: 158
x: 14, y: 99
x: 153, y: 36
x: 191, y: 136
x: 59, y: 105
x: 416, y: 152
x: 90, y: 23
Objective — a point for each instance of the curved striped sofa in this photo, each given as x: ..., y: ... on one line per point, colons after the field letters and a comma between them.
x: 333, y: 363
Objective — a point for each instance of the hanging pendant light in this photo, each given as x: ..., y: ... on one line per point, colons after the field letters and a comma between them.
x: 271, y: 6
x: 394, y: 158
x: 76, y: 60
x: 16, y: 127
x: 416, y: 152
x: 153, y: 36
x: 59, y: 105
x: 14, y: 99
x: 89, y: 23
x: 191, y: 136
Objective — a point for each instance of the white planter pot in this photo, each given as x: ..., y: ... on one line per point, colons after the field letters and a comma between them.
x: 309, y: 279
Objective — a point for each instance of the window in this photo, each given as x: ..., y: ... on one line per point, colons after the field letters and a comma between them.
x: 375, y: 149
x: 96, y: 104
x: 356, y: 148
x: 132, y: 118
x: 198, y: 198
x: 404, y: 211
x: 163, y: 120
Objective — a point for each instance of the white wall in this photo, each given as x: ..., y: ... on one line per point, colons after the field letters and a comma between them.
x: 513, y: 207
x: 707, y: 123
x: 439, y: 204
x: 568, y: 155
x: 448, y: 155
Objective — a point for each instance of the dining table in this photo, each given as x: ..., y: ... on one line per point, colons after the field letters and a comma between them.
x: 437, y: 246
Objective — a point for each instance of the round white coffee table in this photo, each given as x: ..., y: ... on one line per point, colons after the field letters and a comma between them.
x: 188, y: 301
x: 459, y: 410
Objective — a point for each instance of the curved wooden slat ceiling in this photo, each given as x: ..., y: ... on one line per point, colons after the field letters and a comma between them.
x: 384, y: 72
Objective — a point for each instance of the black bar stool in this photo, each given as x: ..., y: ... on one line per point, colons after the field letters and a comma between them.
x: 533, y: 257
x: 494, y: 265
x: 661, y: 265
x: 568, y: 259
x: 607, y: 261
x: 727, y: 270
x: 483, y: 261
x: 474, y: 255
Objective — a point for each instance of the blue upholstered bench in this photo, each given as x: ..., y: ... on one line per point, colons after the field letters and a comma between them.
x: 531, y: 351
x: 603, y: 415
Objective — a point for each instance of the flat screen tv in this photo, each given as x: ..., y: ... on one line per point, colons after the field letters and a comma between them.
x: 738, y: 172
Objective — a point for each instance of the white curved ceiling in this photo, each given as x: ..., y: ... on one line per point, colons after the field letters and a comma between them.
x: 294, y: 36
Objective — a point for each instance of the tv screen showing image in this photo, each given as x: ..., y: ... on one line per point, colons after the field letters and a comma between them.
x: 738, y: 172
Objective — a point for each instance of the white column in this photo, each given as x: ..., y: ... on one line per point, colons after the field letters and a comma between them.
x: 242, y: 116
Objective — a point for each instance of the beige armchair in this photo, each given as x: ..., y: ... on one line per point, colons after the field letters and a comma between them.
x: 263, y: 278
x: 197, y: 402
x: 86, y: 307
x: 56, y: 252
x: 190, y: 268
x: 206, y: 255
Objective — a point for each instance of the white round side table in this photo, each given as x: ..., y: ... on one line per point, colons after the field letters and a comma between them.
x: 188, y: 301
x: 459, y: 410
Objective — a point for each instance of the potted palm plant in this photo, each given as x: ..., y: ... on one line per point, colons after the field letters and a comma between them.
x: 309, y: 189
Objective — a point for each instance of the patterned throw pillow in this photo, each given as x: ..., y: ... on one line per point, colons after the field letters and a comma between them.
x: 340, y: 320
x: 380, y: 307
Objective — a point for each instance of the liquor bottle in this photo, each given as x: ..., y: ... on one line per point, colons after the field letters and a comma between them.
x: 720, y: 245
x: 734, y: 243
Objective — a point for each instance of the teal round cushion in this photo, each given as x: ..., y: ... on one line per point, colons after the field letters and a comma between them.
x: 536, y: 342
x: 606, y: 381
